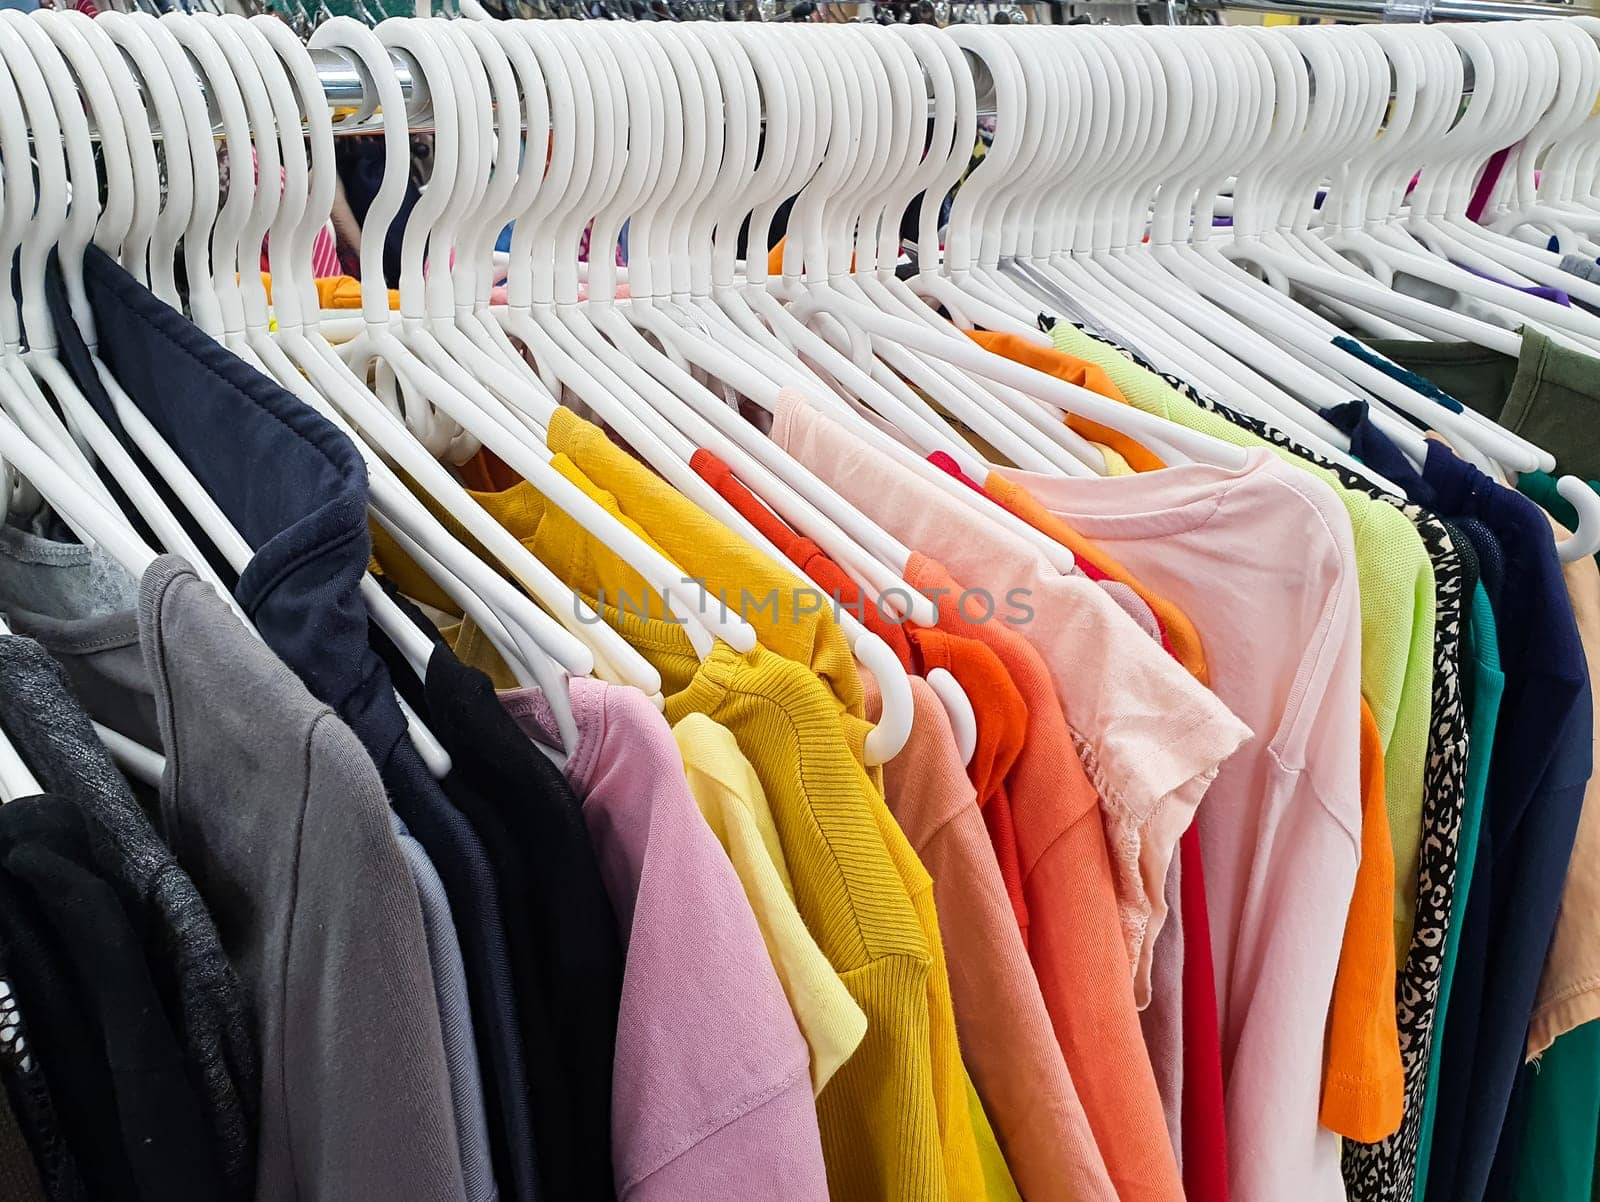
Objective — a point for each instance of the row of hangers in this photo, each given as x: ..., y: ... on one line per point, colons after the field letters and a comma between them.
x: 690, y: 133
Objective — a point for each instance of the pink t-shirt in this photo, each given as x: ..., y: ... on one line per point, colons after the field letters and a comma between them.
x: 1262, y: 560
x: 1150, y: 736
x: 711, y: 1090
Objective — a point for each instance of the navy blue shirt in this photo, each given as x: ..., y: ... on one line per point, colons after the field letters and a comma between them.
x: 295, y: 488
x: 1537, y: 774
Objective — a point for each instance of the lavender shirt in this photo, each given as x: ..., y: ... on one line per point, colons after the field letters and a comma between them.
x: 711, y: 1088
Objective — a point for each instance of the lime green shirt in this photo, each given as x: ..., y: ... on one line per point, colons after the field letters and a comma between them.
x: 1397, y: 609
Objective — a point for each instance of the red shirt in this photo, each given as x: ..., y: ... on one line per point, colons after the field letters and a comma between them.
x: 802, y: 552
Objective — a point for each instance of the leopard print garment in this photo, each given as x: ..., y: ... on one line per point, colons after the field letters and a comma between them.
x: 1386, y: 1171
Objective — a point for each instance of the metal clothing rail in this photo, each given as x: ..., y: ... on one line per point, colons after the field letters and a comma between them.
x: 346, y: 85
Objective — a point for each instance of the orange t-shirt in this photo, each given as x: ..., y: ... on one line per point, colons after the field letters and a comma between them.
x: 1002, y: 722
x: 802, y: 552
x: 1074, y: 371
x: 1006, y: 1038
x: 1363, y: 1083
x: 1076, y: 942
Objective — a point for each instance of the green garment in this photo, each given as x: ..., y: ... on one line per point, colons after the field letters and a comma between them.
x: 1397, y: 610
x: 1562, y: 1119
x: 1550, y: 394
x: 1540, y: 488
x: 1488, y: 682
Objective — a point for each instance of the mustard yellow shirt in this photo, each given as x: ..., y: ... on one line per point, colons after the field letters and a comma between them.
x: 772, y: 597
x: 997, y: 1182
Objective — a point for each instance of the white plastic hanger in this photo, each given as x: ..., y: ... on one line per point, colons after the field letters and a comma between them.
x: 1112, y: 88
x: 1016, y: 424
x: 1441, y: 87
x: 476, y: 588
x: 20, y: 396
x: 1187, y: 92
x: 702, y: 416
x: 529, y: 627
x: 1506, y: 104
x: 68, y: 223
x: 413, y: 643
x: 1112, y: 79
x: 792, y: 82
x: 580, y: 644
x: 1249, y: 245
x: 1585, y: 540
x: 132, y: 176
x: 1546, y: 185
x: 765, y: 185
x: 155, y: 261
x: 688, y: 602
x: 1243, y: 79
x: 1444, y: 176
x: 1009, y: 418
x: 1535, y: 192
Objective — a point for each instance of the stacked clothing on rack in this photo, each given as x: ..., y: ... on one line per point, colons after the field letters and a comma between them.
x: 691, y: 737
x: 717, y: 952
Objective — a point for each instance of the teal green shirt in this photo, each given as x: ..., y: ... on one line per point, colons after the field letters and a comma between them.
x: 1561, y: 1118
x: 1488, y: 683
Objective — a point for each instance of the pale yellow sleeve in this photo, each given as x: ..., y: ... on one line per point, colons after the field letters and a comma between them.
x: 729, y: 795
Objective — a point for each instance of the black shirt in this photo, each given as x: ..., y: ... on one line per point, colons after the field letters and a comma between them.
x: 134, y: 1121
x: 562, y: 935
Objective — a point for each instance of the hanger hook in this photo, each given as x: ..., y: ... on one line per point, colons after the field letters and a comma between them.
x: 1585, y: 538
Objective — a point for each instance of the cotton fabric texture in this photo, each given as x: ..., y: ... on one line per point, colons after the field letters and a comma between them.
x: 1548, y: 393
x: 1569, y: 986
x: 561, y: 934
x: 1006, y: 1036
x: 880, y: 1115
x: 1182, y: 1015
x: 274, y: 865
x: 1398, y: 599
x: 112, y: 1059
x: 1073, y: 929
x: 711, y: 1092
x: 1113, y: 683
x: 1542, y: 761
x: 1194, y: 523
x: 19, y: 1177
x: 212, y: 1012
x: 1391, y: 1168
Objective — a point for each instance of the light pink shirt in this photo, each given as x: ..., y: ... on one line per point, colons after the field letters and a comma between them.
x: 1150, y: 736
x: 711, y: 1089
x: 1262, y: 561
